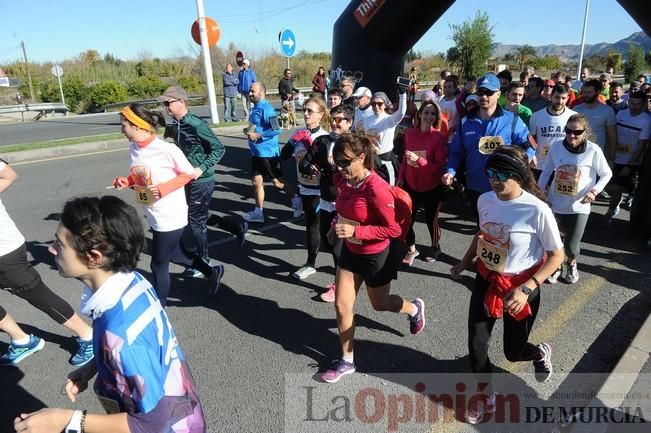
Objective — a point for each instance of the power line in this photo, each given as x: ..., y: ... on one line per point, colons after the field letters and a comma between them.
x: 271, y: 13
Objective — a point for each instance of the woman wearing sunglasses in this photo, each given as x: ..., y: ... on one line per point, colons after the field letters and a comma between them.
x: 518, y: 246
x: 423, y: 165
x: 366, y: 222
x: 575, y: 163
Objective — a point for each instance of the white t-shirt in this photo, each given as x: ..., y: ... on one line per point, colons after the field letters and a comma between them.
x: 156, y: 163
x: 547, y: 129
x: 361, y: 115
x: 575, y: 174
x: 450, y: 110
x: 11, y: 237
x: 600, y: 118
x: 307, y: 185
x: 630, y: 129
x: 384, y: 125
x: 515, y: 233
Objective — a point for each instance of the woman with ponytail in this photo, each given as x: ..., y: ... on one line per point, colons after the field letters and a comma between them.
x: 159, y: 171
x: 366, y: 221
x: 518, y: 246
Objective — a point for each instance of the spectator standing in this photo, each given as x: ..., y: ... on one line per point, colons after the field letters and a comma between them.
x: 231, y: 82
x: 319, y: 82
x: 246, y: 78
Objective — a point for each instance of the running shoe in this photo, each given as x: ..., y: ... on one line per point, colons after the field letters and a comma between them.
x: 608, y: 217
x: 337, y: 370
x: 192, y: 273
x: 572, y: 275
x: 304, y: 272
x: 329, y: 294
x: 417, y: 321
x: 480, y: 407
x: 241, y: 234
x: 543, y: 366
x: 603, y: 195
x: 297, y: 206
x: 255, y: 216
x: 436, y: 252
x: 553, y: 278
x: 84, y: 353
x: 215, y: 279
x: 410, y: 257
x: 18, y: 352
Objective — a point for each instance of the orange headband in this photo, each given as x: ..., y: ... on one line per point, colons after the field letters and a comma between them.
x: 135, y: 119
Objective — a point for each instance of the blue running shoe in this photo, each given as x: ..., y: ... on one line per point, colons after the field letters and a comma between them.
x: 18, y: 352
x: 84, y: 353
x: 215, y: 279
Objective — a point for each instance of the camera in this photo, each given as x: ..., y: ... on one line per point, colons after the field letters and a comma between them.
x: 403, y: 82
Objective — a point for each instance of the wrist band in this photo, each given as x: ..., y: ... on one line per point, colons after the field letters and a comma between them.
x: 535, y: 281
x: 83, y: 421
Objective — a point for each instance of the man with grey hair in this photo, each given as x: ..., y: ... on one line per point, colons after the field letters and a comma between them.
x: 246, y: 79
x: 230, y: 82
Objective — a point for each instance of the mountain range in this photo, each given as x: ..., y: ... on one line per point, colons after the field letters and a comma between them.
x: 571, y: 52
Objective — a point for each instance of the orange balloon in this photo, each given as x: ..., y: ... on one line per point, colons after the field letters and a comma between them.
x: 212, y: 31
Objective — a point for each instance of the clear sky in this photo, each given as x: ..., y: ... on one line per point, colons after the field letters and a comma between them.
x: 54, y: 30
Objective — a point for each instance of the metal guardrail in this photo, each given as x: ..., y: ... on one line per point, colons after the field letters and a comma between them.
x: 41, y: 109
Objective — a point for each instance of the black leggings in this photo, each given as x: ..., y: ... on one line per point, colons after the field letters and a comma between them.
x: 166, y: 248
x: 325, y: 220
x: 19, y: 277
x: 311, y: 209
x: 516, y: 333
x: 430, y: 201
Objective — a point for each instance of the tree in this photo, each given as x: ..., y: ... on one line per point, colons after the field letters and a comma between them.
x: 614, y: 60
x: 89, y: 57
x: 635, y: 63
x: 474, y: 42
x: 523, y: 54
x: 647, y: 58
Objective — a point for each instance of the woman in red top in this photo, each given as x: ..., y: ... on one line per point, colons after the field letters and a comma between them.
x: 319, y: 82
x: 366, y: 221
x: 422, y: 166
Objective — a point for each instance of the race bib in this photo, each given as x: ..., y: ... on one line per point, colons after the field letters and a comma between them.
x: 342, y: 220
x: 144, y: 195
x: 492, y: 256
x: 305, y: 179
x: 624, y: 148
x: 488, y: 145
x: 421, y: 154
x: 566, y: 180
x: 110, y: 406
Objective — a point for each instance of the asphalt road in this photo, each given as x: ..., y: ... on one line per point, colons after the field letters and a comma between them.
x: 73, y: 126
x: 255, y: 347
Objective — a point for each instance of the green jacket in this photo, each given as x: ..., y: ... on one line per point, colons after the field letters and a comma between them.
x: 199, y: 144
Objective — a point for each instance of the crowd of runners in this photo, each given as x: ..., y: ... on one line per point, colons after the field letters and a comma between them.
x: 528, y: 157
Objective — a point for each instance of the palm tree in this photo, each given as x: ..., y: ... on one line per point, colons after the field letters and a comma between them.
x: 523, y: 54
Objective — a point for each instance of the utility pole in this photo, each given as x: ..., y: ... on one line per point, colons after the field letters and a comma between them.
x: 29, y: 76
x: 205, y: 49
x: 585, y: 26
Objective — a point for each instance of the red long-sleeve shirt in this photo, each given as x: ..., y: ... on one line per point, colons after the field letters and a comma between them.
x: 370, y: 208
x: 426, y: 174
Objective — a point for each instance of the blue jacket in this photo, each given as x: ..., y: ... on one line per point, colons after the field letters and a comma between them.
x: 230, y: 84
x: 246, y: 77
x: 265, y: 119
x: 465, y: 145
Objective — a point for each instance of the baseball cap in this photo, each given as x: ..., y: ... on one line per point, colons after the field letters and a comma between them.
x: 605, y: 75
x: 246, y: 61
x: 173, y: 93
x: 550, y: 83
x: 489, y: 82
x: 362, y: 91
x: 428, y: 95
x: 472, y: 97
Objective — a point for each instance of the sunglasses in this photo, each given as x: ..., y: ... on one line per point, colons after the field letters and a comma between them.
x: 549, y: 86
x: 485, y: 92
x: 338, y: 120
x: 575, y: 132
x: 344, y: 163
x: 500, y: 175
x: 167, y: 103
x: 377, y: 104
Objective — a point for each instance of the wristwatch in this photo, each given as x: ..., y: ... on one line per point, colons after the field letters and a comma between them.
x: 526, y: 290
x: 74, y: 425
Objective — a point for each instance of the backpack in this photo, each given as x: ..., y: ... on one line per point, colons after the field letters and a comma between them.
x: 402, y: 207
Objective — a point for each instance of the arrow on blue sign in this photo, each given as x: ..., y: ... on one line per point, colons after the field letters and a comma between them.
x: 287, y: 43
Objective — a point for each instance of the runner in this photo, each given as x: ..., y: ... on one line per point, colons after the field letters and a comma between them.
x: 143, y: 379
x: 203, y: 149
x: 517, y: 229
x: 159, y: 170
x: 576, y: 164
x: 420, y: 175
x: 317, y: 123
x: 366, y: 221
x: 19, y: 277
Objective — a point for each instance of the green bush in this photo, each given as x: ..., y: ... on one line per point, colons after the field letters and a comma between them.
x: 75, y: 91
x: 105, y: 93
x: 146, y: 87
x: 191, y: 84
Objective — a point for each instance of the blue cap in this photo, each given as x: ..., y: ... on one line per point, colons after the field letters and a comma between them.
x: 490, y: 82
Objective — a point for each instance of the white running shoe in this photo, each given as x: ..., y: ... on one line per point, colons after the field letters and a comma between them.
x: 572, y: 275
x: 304, y: 272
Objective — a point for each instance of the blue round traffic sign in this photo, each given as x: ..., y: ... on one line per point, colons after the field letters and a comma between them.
x: 287, y: 43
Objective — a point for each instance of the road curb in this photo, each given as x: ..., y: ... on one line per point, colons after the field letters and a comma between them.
x: 89, y: 147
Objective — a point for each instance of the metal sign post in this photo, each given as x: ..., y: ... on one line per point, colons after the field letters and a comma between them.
x: 287, y: 44
x: 57, y: 71
x: 205, y: 50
